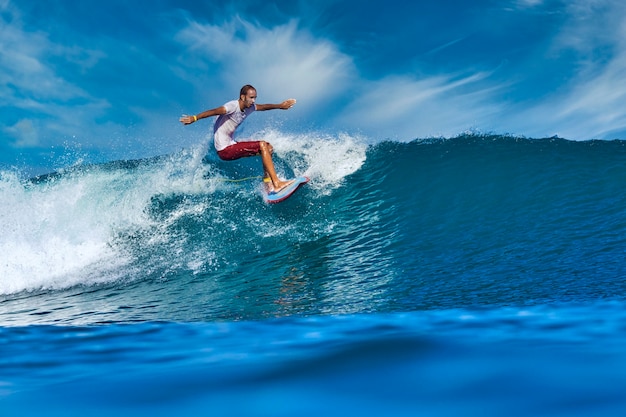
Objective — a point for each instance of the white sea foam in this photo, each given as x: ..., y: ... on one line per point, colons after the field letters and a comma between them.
x: 60, y: 232
x: 64, y: 230
x: 325, y: 159
x: 50, y: 232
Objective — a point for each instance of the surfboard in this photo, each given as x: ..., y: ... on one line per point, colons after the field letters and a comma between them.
x: 285, y: 193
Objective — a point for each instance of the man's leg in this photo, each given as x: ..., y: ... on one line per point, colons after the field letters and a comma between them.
x: 268, y: 166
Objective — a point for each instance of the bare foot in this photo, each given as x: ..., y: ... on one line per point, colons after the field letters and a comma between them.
x: 277, y: 188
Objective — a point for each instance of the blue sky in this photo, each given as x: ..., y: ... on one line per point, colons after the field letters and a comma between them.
x: 109, y: 80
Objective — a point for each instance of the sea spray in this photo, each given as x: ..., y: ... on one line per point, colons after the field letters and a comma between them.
x: 125, y: 220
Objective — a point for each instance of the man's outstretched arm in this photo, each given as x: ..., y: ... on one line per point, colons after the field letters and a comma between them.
x: 186, y: 120
x: 285, y: 105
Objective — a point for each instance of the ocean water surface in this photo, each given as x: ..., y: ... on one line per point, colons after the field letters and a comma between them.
x: 476, y: 275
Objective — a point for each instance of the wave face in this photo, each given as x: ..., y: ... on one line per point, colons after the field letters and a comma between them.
x: 430, y: 224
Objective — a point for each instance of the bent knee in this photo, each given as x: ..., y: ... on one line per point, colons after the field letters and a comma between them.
x: 266, y: 146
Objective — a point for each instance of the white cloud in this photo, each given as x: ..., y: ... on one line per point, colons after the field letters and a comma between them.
x: 31, y: 85
x: 25, y: 134
x: 401, y: 107
x: 281, y: 62
x: 591, y: 105
x: 24, y: 72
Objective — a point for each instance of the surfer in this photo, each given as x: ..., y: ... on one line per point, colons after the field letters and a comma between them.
x: 230, y: 116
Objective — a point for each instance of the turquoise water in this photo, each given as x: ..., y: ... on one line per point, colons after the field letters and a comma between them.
x: 479, y: 275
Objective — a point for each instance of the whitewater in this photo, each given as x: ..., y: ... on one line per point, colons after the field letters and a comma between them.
x: 475, y: 275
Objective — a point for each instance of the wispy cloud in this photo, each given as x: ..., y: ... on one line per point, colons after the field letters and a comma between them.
x: 444, y: 46
x: 31, y: 87
x: 590, y: 44
x: 525, y: 4
x: 591, y: 104
x: 402, y: 107
x: 599, y: 94
x: 282, y: 61
x: 24, y: 133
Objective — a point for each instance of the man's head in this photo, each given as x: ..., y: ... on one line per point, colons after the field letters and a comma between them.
x: 247, y: 96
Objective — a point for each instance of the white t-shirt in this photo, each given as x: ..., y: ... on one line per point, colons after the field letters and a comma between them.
x: 226, y: 124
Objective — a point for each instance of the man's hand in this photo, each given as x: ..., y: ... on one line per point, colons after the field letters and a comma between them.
x: 187, y: 120
x: 287, y: 104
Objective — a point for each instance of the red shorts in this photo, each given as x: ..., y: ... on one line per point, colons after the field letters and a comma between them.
x: 240, y: 150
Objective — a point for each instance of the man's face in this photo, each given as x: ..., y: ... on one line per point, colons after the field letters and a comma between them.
x: 249, y: 99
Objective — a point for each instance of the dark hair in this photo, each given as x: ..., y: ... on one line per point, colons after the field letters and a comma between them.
x: 244, y: 90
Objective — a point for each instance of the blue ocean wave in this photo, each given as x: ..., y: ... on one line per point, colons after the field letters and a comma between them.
x: 469, y: 221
